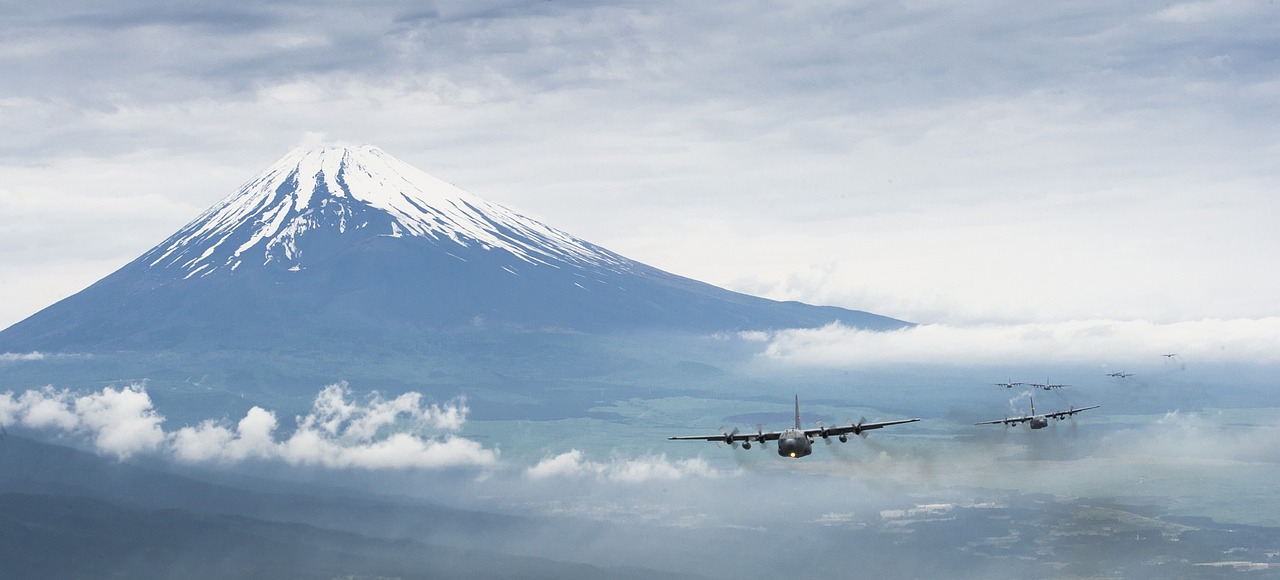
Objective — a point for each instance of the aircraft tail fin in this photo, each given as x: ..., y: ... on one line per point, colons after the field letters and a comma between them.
x: 798, y: 412
x: 1033, y: 405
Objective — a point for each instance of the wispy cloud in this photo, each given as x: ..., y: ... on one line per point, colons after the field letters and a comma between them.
x: 1202, y: 439
x: 1244, y: 341
x: 574, y: 464
x: 339, y: 431
x: 1204, y: 11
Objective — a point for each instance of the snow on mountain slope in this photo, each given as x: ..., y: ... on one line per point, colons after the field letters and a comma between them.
x: 336, y: 189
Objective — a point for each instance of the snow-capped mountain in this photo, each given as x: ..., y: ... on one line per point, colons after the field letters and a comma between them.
x: 356, y: 193
x: 350, y: 244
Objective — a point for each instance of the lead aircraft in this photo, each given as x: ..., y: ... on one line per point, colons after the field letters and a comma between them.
x: 1037, y: 421
x: 793, y: 443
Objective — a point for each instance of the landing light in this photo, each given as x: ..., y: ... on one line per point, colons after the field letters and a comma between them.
x: 793, y: 454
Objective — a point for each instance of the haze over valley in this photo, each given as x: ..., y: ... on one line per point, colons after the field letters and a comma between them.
x: 506, y: 250
x: 310, y: 332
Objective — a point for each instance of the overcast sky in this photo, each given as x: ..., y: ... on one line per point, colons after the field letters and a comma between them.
x: 982, y: 162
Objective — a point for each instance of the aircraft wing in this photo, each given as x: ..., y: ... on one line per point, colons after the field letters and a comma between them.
x: 1006, y: 421
x: 1061, y: 414
x: 732, y: 437
x: 852, y: 428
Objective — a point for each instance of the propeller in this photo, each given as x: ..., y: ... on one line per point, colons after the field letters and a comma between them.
x: 728, y: 438
x: 858, y: 428
x: 764, y: 443
x: 822, y: 432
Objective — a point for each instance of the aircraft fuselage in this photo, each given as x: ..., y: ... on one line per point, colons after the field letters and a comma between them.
x: 794, y: 443
x: 1038, y: 422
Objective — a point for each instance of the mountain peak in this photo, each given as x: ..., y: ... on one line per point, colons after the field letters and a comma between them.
x: 347, y: 245
x: 288, y: 216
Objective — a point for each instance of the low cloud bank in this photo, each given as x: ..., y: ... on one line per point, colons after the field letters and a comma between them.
x: 1204, y: 439
x: 573, y: 464
x: 338, y: 432
x: 1235, y: 341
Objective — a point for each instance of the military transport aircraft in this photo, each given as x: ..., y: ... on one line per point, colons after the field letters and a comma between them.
x: 1120, y: 375
x: 794, y: 443
x: 1008, y: 385
x: 1037, y: 421
x: 1046, y: 385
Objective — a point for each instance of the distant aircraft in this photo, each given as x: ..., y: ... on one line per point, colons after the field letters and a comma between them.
x: 1120, y: 375
x: 1170, y: 355
x: 794, y: 443
x: 1037, y: 421
x: 1046, y: 385
x: 1008, y: 385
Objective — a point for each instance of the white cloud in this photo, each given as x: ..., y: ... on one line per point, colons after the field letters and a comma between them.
x: 336, y: 415
x: 837, y: 345
x: 119, y: 422
x: 8, y: 409
x: 340, y: 432
x: 659, y: 468
x: 399, y: 451
x: 122, y: 422
x: 252, y: 438
x: 567, y: 464
x: 48, y: 408
x: 573, y: 463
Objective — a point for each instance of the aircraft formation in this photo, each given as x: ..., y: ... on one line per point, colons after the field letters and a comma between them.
x: 797, y: 442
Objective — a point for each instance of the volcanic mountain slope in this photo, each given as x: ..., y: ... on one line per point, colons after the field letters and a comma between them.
x: 351, y: 244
